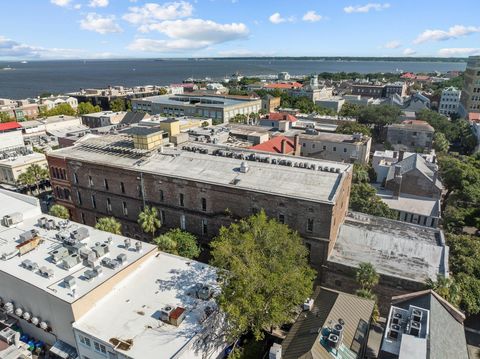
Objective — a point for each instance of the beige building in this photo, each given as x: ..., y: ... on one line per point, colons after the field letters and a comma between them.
x: 470, y: 98
x: 11, y: 168
x: 336, y: 147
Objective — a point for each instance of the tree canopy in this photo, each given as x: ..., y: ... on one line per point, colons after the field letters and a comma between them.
x: 61, y: 109
x: 266, y: 273
x: 179, y: 242
x: 85, y: 108
x: 5, y: 117
x: 59, y: 211
x: 33, y: 176
x: 117, y: 105
x: 350, y: 128
x: 149, y: 221
x: 109, y: 224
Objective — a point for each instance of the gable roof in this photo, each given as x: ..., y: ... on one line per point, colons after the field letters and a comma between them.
x: 281, y: 116
x: 303, y: 340
x: 133, y: 117
x: 446, y: 332
x: 411, y: 163
x: 275, y: 145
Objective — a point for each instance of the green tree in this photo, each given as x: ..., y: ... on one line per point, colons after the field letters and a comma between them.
x: 448, y: 288
x: 350, y: 110
x: 266, y: 274
x: 162, y: 91
x: 5, y: 117
x: 148, y: 220
x: 368, y: 294
x: 33, y: 176
x: 117, y: 105
x: 61, y: 109
x: 59, y: 211
x: 109, y: 224
x: 367, y: 276
x: 380, y: 115
x: 179, y: 242
x: 85, y: 108
x: 440, y: 142
x: 364, y: 198
x: 350, y: 128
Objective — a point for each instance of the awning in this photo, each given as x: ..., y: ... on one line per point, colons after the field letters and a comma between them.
x: 63, y: 350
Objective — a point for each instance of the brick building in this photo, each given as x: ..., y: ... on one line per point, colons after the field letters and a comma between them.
x: 410, y: 135
x: 200, y: 188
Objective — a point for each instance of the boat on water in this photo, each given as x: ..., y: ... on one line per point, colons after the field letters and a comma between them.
x: 8, y: 68
x: 24, y: 62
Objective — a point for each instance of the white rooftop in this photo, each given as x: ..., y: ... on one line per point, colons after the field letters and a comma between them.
x: 23, y: 160
x: 315, y: 185
x: 394, y: 248
x: 424, y: 206
x: 163, y: 280
x: 41, y: 255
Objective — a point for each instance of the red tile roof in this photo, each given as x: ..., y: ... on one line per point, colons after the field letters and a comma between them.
x: 287, y: 85
x: 474, y: 116
x: 9, y: 126
x: 275, y: 145
x: 281, y: 116
x: 408, y: 75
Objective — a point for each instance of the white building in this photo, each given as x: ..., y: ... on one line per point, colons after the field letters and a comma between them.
x: 449, y: 101
x: 91, y: 294
x: 53, y: 101
x: 284, y: 76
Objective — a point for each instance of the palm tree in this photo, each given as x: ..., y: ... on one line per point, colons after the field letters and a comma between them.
x: 367, y: 277
x: 34, y: 175
x: 447, y: 288
x: 109, y: 224
x: 148, y: 220
x: 59, y: 211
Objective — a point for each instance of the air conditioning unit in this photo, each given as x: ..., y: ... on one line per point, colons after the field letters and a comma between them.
x: 333, y: 341
x: 70, y: 282
x: 59, y: 254
x: 122, y: 258
x: 12, y: 219
x: 415, y: 328
x: 417, y: 315
x: 50, y: 224
x: 397, y: 317
x: 165, y: 313
x: 394, y: 331
x: 25, y: 236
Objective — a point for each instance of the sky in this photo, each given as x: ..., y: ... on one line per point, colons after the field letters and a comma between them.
x: 64, y: 29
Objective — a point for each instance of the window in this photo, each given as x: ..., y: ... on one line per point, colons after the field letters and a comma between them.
x: 109, y: 205
x: 125, y: 209
x: 204, y: 204
x: 90, y: 181
x: 122, y: 187
x: 94, y: 202
x: 105, y: 183
x: 281, y: 218
x: 161, y: 196
x: 204, y: 227
x: 83, y: 218
x: 324, y: 148
x: 75, y: 178
x: 182, y: 200
x: 338, y: 283
x: 334, y: 149
x: 79, y: 198
x: 309, y: 225
x: 345, y: 150
x: 100, y: 348
x: 84, y: 340
x: 162, y: 216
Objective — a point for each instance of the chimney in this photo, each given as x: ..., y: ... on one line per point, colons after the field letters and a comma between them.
x: 284, y: 146
x: 296, y: 145
x: 397, y: 180
x: 400, y: 155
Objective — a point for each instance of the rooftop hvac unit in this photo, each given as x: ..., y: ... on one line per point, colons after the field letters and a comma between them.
x: 98, y: 270
x: 122, y: 258
x: 333, y: 341
x: 394, y: 331
x: 85, y: 252
x: 26, y: 316
x: 25, y: 236
x: 43, y: 325
x: 110, y: 263
x: 28, y: 264
x: 308, y: 305
x: 165, y: 313
x: 101, y: 249
x: 12, y: 219
x: 275, y: 351
x: 70, y: 282
x: 59, y: 254
x: 71, y: 261
x: 417, y: 315
x: 8, y: 307
x: 127, y: 243
x: 338, y: 329
x: 45, y: 272
x: 18, y: 312
x: 204, y: 292
x: 89, y: 274
x: 7, y: 335
x: 415, y: 328
x: 42, y: 222
x: 50, y: 224
x: 397, y: 317
x: 80, y: 234
x: 35, y: 320
x: 138, y: 246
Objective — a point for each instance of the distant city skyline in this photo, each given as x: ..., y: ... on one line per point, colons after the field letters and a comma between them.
x: 73, y: 29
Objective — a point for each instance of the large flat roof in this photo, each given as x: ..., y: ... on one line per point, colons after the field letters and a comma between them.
x: 424, y: 206
x: 131, y: 310
x: 10, y: 238
x: 318, y: 185
x: 23, y: 160
x: 395, y: 248
x: 208, y: 101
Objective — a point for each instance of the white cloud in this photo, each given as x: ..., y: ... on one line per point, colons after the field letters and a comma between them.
x: 409, y: 52
x: 98, y: 3
x: 151, y: 12
x: 61, y: 3
x: 101, y: 24
x: 189, y: 34
x: 366, y: 8
x: 276, y: 18
x: 440, y: 35
x: 312, y: 16
x: 14, y: 49
x: 77, y: 6
x: 392, y: 44
x: 459, y: 51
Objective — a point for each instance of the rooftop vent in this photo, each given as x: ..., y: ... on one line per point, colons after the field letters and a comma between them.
x: 244, y: 167
x: 110, y: 263
x: 59, y: 254
x: 122, y: 258
x: 174, y: 316
x: 70, y: 282
x: 71, y: 261
x: 138, y: 246
x: 45, y: 272
x: 12, y: 219
x: 101, y: 249
x: 25, y: 236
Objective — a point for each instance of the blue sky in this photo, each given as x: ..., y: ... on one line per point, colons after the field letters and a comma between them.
x: 58, y: 29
